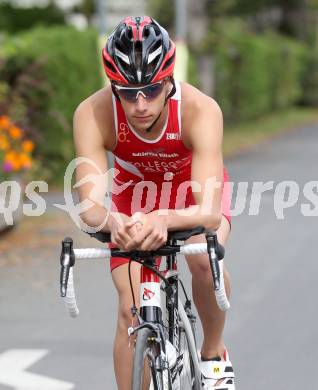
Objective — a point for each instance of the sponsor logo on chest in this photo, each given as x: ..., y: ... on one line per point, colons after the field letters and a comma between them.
x: 173, y: 136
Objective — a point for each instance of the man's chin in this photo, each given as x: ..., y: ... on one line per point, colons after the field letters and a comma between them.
x: 142, y: 124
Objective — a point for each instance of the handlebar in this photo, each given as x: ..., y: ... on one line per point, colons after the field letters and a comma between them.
x: 180, y: 235
x: 212, y: 247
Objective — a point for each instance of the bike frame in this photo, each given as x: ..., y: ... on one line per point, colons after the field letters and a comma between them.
x: 151, y: 312
x: 151, y: 305
x: 150, y: 297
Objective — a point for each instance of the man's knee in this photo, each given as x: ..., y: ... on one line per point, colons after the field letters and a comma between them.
x: 199, y: 266
x: 121, y: 282
x: 125, y: 316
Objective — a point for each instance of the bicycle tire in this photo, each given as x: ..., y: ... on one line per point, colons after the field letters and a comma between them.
x: 160, y: 379
x: 190, y: 375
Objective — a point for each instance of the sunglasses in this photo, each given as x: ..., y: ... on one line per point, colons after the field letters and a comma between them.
x: 131, y: 94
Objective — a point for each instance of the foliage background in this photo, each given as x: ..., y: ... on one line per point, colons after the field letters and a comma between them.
x: 46, y: 72
x: 263, y: 56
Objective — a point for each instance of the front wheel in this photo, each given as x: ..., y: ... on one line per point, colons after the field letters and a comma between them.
x: 189, y: 371
x: 147, y: 374
x: 188, y: 376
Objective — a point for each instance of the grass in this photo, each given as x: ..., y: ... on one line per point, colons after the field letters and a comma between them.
x: 245, y: 135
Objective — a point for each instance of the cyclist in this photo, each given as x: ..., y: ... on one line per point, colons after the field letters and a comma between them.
x: 166, y: 138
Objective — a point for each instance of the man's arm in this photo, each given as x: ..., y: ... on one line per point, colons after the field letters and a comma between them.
x: 89, y: 140
x: 89, y: 144
x: 205, y: 134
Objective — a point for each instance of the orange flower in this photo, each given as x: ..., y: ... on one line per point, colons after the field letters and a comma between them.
x: 13, y: 158
x: 10, y: 156
x: 5, y: 122
x: 15, y: 132
x: 4, y: 144
x: 27, y: 146
x: 25, y: 160
x: 17, y: 166
x: 17, y: 150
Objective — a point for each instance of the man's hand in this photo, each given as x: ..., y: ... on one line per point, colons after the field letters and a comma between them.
x: 122, y: 230
x: 152, y: 231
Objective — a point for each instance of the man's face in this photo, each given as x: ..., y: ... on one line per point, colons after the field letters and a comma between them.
x: 143, y: 109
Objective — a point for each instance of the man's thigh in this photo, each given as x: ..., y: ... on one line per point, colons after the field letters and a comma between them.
x: 120, y: 278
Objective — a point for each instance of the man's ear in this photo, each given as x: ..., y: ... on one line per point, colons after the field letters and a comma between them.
x: 169, y: 87
x: 172, y: 90
x: 168, y: 90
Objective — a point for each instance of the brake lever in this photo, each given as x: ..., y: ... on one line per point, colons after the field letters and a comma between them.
x: 212, y: 245
x: 67, y: 260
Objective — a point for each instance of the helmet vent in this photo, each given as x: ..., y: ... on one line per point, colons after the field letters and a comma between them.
x: 169, y: 62
x: 154, y: 54
x: 130, y: 35
x: 109, y: 65
x: 146, y: 32
x: 138, y: 54
x: 122, y: 56
x: 157, y: 31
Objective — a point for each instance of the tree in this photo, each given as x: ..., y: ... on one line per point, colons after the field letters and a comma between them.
x: 198, y: 26
x: 163, y: 11
x: 289, y: 17
x: 14, y: 19
x: 87, y: 8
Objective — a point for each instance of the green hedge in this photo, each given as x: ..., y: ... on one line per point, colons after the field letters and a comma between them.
x: 255, y: 74
x: 71, y: 68
x: 310, y: 80
x: 14, y: 18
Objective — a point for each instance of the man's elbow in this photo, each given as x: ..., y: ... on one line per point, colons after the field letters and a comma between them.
x: 93, y: 218
x: 213, y: 221
x: 88, y: 219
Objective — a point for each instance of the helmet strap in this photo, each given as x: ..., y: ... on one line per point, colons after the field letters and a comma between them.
x: 173, y: 89
x: 115, y: 92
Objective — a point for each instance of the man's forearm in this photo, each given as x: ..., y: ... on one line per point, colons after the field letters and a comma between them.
x: 98, y: 216
x: 189, y: 218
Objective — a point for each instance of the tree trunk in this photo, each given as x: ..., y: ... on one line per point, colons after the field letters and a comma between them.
x: 198, y: 29
x: 295, y: 18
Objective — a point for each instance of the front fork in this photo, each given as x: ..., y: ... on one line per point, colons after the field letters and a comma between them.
x: 172, y: 302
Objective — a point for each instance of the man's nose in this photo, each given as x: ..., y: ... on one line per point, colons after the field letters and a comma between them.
x: 141, y: 103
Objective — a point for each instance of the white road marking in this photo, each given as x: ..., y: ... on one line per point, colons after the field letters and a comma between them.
x: 13, y: 364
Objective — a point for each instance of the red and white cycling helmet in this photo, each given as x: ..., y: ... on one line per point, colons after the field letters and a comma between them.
x: 139, y: 51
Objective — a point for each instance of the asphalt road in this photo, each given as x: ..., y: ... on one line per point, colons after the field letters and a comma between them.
x: 271, y: 331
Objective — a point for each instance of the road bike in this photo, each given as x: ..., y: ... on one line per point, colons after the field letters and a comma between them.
x: 166, y: 355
